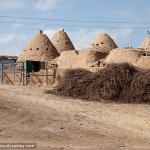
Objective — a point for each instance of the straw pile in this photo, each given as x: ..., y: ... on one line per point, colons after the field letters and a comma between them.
x: 123, y: 55
x: 146, y: 44
x: 111, y: 83
x: 62, y: 41
x: 139, y: 89
x: 39, y: 49
x: 104, y: 43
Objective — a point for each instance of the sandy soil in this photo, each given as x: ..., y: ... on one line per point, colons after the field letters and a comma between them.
x: 28, y: 115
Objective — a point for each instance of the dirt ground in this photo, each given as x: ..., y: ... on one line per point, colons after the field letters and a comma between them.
x: 28, y: 115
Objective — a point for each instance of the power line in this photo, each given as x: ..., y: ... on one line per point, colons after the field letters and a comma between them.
x: 71, y: 20
x: 25, y: 24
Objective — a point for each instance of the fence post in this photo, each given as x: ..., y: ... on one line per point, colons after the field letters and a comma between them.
x: 25, y: 73
x: 46, y: 73
x: 2, y: 65
x: 14, y: 75
x: 54, y: 75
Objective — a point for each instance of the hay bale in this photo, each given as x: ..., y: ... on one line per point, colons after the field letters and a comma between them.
x: 62, y: 41
x: 104, y: 43
x: 40, y: 48
x: 72, y: 83
x: 106, y: 84
x: 110, y: 82
x: 116, y: 82
x: 122, y: 55
x: 139, y: 89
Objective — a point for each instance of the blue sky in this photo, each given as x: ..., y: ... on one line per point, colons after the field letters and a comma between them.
x: 125, y: 20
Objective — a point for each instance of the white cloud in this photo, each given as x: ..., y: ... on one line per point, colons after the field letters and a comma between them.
x: 46, y: 4
x: 50, y: 32
x: 11, y: 4
x: 12, y: 43
x: 122, y: 36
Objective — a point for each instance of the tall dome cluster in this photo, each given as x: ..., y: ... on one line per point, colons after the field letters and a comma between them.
x: 60, y: 49
x: 41, y: 48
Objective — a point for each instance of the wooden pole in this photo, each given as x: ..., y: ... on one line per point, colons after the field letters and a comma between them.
x: 14, y: 75
x: 25, y: 73
x: 46, y: 73
x: 54, y: 75
x: 2, y: 73
x: 22, y: 73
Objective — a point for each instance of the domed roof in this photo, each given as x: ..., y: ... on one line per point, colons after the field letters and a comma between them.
x: 62, y: 41
x: 104, y: 41
x: 146, y: 44
x: 144, y: 62
x: 39, y: 48
x: 123, y: 55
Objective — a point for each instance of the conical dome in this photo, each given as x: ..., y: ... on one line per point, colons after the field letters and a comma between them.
x: 146, y: 44
x: 39, y: 49
x: 62, y: 41
x: 104, y: 42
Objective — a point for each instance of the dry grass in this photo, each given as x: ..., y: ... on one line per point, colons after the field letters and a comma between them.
x: 111, y: 83
x: 139, y: 89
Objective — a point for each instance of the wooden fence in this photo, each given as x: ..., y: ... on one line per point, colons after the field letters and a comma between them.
x: 12, y: 73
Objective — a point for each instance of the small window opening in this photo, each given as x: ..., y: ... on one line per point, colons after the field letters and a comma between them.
x: 30, y: 49
x: 102, y: 43
x: 47, y: 49
x: 37, y: 49
x: 97, y: 44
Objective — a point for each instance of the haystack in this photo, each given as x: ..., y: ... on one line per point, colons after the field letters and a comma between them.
x: 116, y: 82
x: 139, y: 89
x: 62, y: 41
x: 106, y: 84
x: 104, y: 43
x: 122, y: 55
x: 39, y: 49
x: 146, y: 44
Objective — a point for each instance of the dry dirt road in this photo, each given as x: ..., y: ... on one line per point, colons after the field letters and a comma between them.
x: 28, y: 115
